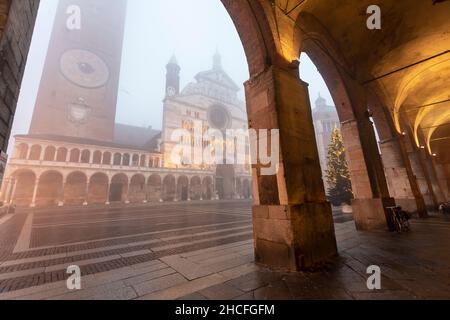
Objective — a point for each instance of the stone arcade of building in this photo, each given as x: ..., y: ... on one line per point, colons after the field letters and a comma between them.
x: 398, y: 76
x: 51, y: 169
x: 76, y: 153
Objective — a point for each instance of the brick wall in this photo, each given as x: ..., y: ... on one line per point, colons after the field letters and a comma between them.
x: 17, y: 19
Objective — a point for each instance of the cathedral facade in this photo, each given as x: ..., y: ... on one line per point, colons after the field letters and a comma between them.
x: 77, y: 154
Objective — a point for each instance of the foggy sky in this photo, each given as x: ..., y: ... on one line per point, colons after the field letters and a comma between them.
x: 155, y: 30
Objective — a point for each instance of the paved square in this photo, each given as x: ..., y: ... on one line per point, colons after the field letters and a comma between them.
x: 204, y: 250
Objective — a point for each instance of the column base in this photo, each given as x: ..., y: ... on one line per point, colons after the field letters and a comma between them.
x: 127, y: 202
x: 107, y: 203
x: 294, y: 237
x: 370, y: 214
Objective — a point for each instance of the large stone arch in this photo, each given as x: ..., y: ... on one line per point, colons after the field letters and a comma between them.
x: 50, y: 189
x: 98, y: 189
x: 21, y: 192
x: 138, y: 190
x: 254, y: 23
x: 75, y: 189
x: 366, y: 169
x: 207, y: 188
x: 183, y: 188
x: 119, y: 188
x: 169, y: 188
x: 154, y: 188
x: 195, y: 188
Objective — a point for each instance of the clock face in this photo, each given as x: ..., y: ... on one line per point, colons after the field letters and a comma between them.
x: 171, y: 91
x: 84, y: 68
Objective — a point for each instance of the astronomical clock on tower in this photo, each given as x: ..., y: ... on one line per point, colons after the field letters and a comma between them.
x: 78, y: 91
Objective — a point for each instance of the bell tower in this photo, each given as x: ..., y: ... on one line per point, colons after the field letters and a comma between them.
x: 173, y: 77
x: 78, y: 92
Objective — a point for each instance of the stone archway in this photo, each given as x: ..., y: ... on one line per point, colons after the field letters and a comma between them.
x: 50, y: 189
x: 75, y: 189
x: 371, y: 194
x: 154, y: 188
x: 22, y: 192
x: 138, y: 192
x: 119, y: 188
x: 169, y: 188
x: 207, y: 188
x: 196, y: 188
x: 183, y: 189
x: 98, y: 189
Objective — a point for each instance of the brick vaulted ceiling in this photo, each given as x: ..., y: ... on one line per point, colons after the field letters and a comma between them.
x: 408, y: 60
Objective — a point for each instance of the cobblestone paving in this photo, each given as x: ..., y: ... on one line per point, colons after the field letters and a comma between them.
x: 204, y: 251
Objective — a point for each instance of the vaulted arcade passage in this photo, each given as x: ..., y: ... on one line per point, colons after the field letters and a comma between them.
x: 398, y: 76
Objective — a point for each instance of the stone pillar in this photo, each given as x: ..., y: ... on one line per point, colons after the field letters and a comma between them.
x: 62, y: 193
x: 400, y: 178
x: 28, y: 155
x: 293, y: 222
x: 5, y: 188
x: 33, y: 199
x: 127, y: 196
x: 13, y: 192
x: 431, y: 177
x: 108, y: 194
x: 422, y: 178
x: 368, y: 180
x: 86, y: 196
x: 442, y: 180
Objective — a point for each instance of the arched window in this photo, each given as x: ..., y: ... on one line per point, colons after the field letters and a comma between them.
x: 117, y: 159
x: 135, y: 162
x: 126, y: 159
x: 107, y: 158
x: 143, y: 160
x: 85, y: 156
x: 75, y: 155
x: 35, y: 153
x: 61, y: 155
x: 97, y: 157
x: 22, y: 151
x: 50, y: 153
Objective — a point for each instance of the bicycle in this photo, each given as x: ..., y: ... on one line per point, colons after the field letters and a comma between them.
x: 400, y: 219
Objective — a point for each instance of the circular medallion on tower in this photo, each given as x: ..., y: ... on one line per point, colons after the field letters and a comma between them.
x: 219, y: 117
x: 84, y: 68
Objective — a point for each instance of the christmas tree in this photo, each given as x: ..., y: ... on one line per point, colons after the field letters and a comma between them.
x: 338, y: 175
